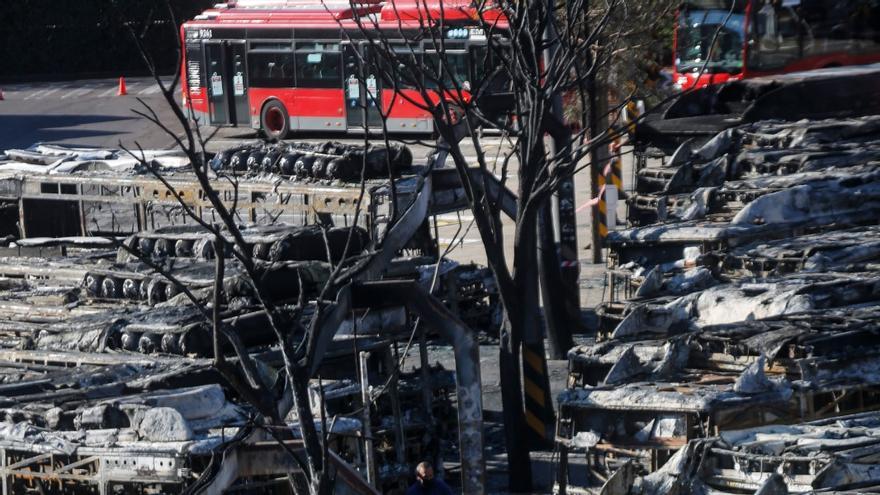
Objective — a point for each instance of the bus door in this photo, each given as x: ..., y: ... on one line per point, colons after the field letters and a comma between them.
x: 238, y: 73
x: 227, y: 86
x: 362, y: 88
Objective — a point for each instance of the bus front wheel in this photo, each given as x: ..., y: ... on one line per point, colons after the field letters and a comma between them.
x: 274, y: 120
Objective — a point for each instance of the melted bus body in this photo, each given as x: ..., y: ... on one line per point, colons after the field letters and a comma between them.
x: 750, y: 38
x: 308, y: 66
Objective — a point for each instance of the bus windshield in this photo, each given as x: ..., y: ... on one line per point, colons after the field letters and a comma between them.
x: 696, y: 30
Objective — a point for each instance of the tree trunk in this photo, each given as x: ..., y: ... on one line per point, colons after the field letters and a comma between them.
x: 299, y: 382
x: 556, y: 308
x: 539, y: 415
x: 519, y: 469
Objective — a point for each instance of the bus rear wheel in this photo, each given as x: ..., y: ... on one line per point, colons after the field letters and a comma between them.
x: 274, y: 120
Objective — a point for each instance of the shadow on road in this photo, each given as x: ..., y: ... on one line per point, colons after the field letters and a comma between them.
x: 21, y: 130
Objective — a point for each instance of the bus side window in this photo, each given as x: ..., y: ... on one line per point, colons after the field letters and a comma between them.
x: 481, y: 65
x: 407, y: 60
x: 270, y: 69
x: 318, y: 65
x: 866, y: 25
x: 449, y: 69
x: 776, y: 40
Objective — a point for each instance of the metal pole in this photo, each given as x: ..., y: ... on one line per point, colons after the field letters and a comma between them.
x: 597, y: 159
x: 219, y: 259
x: 557, y: 237
x: 562, y: 471
x: 370, y: 454
x: 3, y: 463
x: 428, y: 396
x: 399, y: 438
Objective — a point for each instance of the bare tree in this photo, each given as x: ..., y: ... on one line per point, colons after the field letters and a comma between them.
x: 638, y: 52
x: 536, y: 54
x: 301, y: 347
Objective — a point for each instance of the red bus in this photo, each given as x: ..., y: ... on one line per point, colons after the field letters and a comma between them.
x: 764, y: 37
x: 282, y: 66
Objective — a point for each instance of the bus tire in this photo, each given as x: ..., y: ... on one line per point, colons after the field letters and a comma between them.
x: 274, y: 120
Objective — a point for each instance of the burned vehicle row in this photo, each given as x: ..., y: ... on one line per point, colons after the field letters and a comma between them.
x: 145, y: 338
x: 738, y: 340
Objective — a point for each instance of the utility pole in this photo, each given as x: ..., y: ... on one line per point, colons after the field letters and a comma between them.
x: 597, y: 159
x: 558, y: 270
x: 558, y: 253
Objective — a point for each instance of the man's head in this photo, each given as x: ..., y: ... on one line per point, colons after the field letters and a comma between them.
x: 425, y: 473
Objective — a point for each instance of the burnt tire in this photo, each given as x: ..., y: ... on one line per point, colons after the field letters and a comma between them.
x: 274, y: 120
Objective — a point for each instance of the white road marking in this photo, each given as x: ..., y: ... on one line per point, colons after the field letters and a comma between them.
x: 452, y: 217
x: 42, y: 94
x: 474, y: 158
x: 76, y: 93
x: 109, y: 92
x: 73, y: 90
x: 150, y: 90
x: 446, y: 241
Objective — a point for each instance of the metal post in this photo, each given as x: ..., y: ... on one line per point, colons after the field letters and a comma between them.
x: 219, y: 260
x: 562, y: 471
x: 561, y: 311
x: 367, y: 429
x: 3, y: 463
x: 598, y: 157
x: 557, y: 237
x: 399, y: 438
x: 22, y: 222
x: 428, y: 395
x: 83, y: 227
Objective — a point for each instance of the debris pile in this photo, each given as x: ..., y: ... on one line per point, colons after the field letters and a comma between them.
x: 55, y: 159
x: 836, y: 455
x: 107, y: 289
x: 832, y: 92
x: 746, y: 293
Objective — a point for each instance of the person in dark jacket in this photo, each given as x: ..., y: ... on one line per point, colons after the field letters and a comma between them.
x: 426, y: 484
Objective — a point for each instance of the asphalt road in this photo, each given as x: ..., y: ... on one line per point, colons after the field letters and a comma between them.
x: 81, y: 112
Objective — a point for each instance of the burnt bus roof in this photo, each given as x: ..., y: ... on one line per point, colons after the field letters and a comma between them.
x: 835, y: 92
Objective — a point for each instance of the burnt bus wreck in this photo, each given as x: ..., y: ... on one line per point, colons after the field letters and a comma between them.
x: 737, y: 350
x: 836, y: 455
x: 109, y: 383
